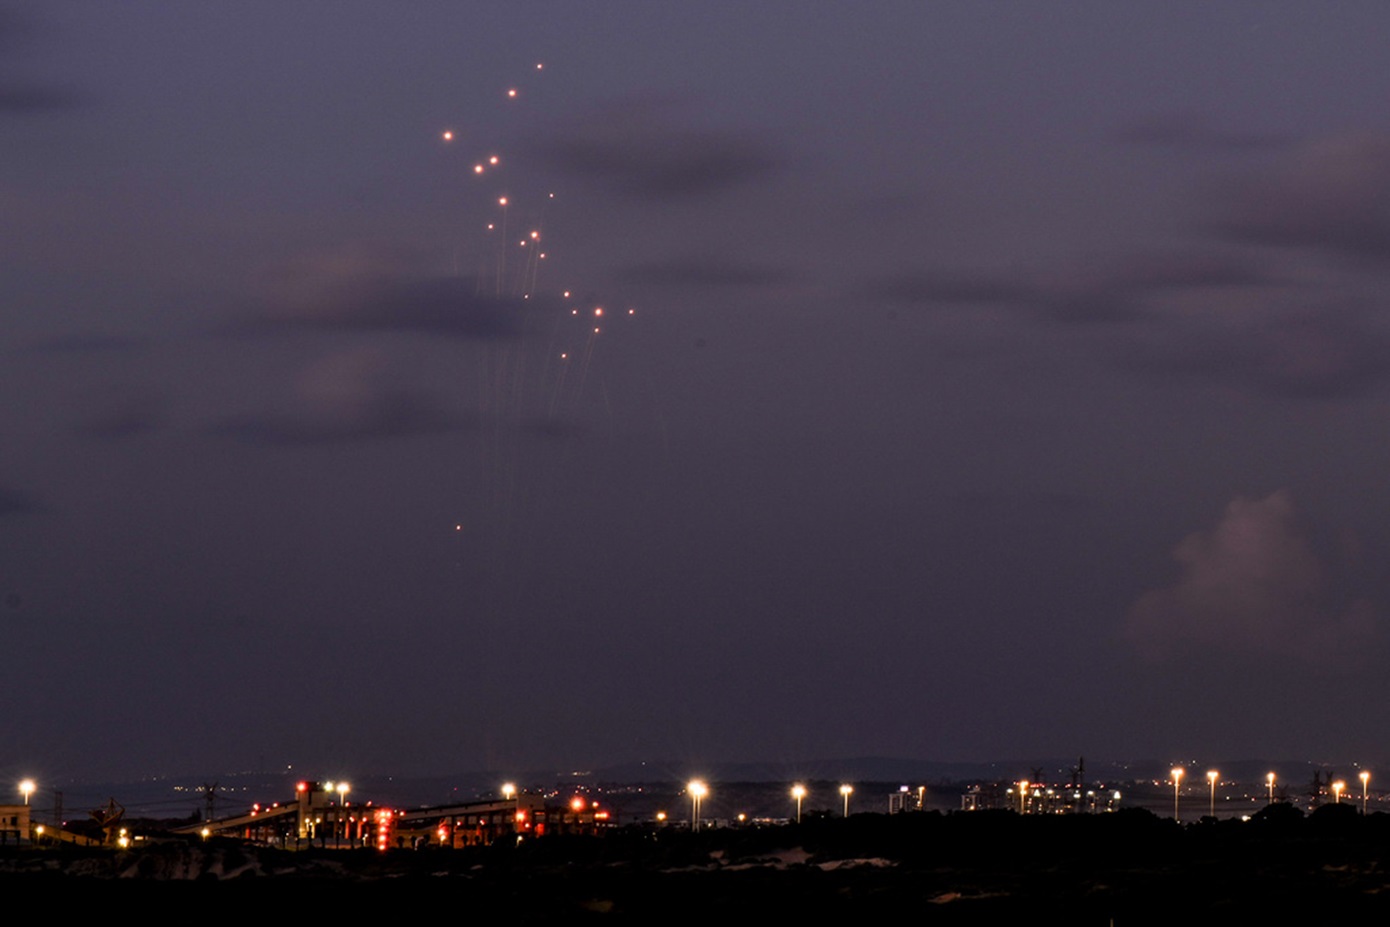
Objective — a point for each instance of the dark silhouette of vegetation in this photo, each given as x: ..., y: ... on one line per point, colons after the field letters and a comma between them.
x: 1132, y: 866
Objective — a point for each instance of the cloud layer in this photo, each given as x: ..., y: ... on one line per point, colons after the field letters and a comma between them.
x: 1252, y: 584
x: 637, y: 151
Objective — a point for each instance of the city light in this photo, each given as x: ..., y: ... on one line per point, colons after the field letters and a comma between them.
x: 1177, y: 779
x: 698, y: 791
x: 1212, y: 776
x: 846, y: 791
x: 798, y: 792
x: 1269, y: 780
x: 1365, y: 782
x: 26, y: 788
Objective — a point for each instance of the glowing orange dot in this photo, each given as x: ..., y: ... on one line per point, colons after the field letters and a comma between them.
x: 448, y: 136
x: 598, y: 311
x: 567, y: 294
x: 477, y: 168
x: 512, y: 92
x: 540, y: 66
x: 492, y: 160
x: 501, y: 201
x: 632, y: 312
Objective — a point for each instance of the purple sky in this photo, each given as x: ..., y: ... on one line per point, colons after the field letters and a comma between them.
x: 1003, y: 380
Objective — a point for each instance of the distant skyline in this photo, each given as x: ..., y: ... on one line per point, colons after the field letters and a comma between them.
x: 971, y: 381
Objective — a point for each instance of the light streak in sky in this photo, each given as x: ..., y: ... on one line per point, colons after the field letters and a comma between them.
x: 527, y: 385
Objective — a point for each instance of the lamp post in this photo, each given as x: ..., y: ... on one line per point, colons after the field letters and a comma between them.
x: 1337, y: 788
x: 845, y: 791
x: 1269, y: 780
x: 1212, y: 776
x: 798, y: 792
x: 342, y: 789
x: 1023, y: 797
x: 1365, y: 782
x: 508, y: 793
x: 697, y: 791
x: 1177, y: 779
x: 26, y: 788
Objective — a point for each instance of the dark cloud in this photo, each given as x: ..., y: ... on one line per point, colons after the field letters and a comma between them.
x: 24, y: 99
x: 701, y: 272
x: 947, y: 287
x: 1188, y: 131
x: 1252, y: 584
x: 391, y: 416
x: 1106, y: 290
x: 378, y: 290
x: 1318, y: 353
x: 86, y: 344
x: 19, y: 96
x: 636, y: 151
x: 345, y: 397
x: 118, y: 417
x: 13, y: 502
x: 1332, y: 195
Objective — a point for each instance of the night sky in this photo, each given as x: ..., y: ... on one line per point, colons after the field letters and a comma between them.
x: 974, y: 381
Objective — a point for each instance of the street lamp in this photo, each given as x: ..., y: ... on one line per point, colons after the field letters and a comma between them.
x: 1212, y: 776
x: 1269, y: 780
x: 697, y: 791
x: 847, y: 790
x: 1177, y: 778
x: 1337, y: 788
x: 1023, y: 797
x: 1365, y: 781
x: 26, y: 788
x: 798, y: 792
x: 342, y: 789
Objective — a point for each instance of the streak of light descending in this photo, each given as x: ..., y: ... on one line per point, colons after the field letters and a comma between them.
x: 524, y: 380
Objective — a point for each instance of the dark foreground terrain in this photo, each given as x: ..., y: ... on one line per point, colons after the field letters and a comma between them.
x: 1128, y: 868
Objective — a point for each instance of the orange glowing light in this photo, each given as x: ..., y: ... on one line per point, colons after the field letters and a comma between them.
x: 447, y: 135
x: 512, y: 93
x: 477, y: 168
